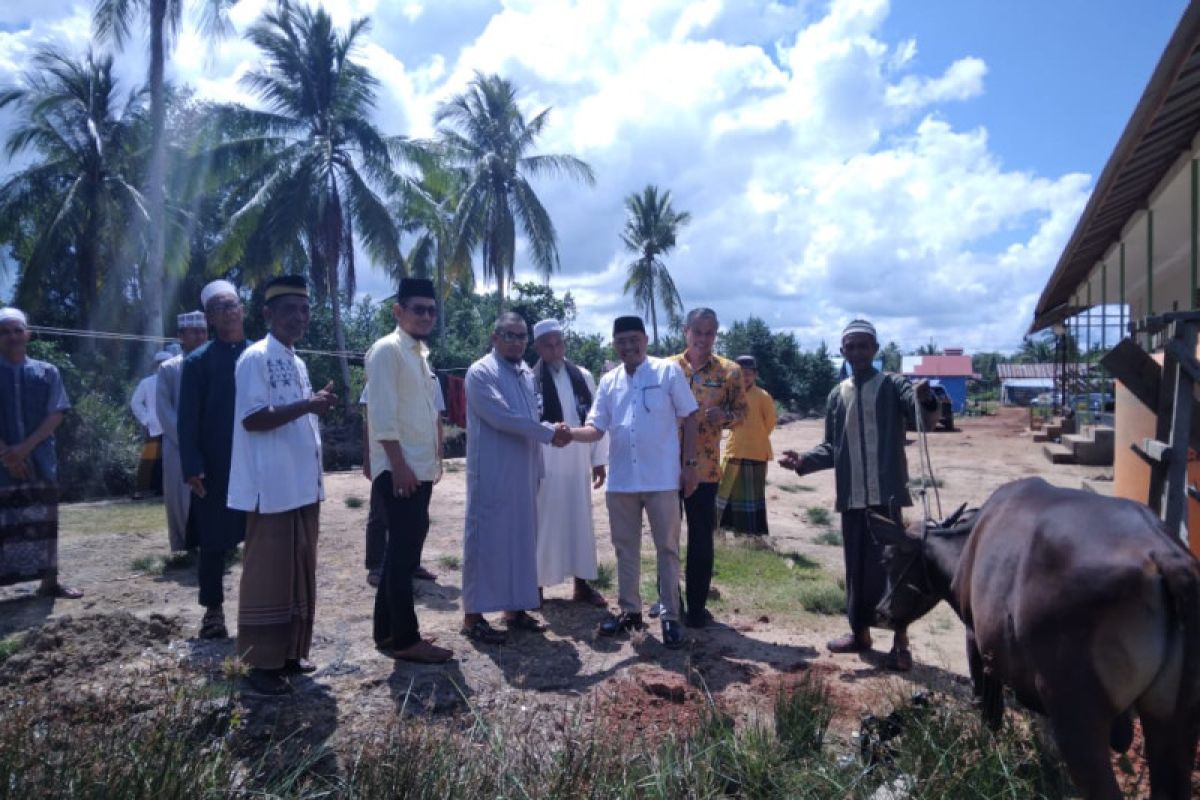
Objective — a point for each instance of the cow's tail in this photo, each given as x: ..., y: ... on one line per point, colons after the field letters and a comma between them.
x: 1181, y: 574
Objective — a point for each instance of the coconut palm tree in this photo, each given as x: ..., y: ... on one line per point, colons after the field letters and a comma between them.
x: 484, y: 132
x: 69, y: 206
x: 651, y: 227
x: 112, y: 22
x: 319, y: 161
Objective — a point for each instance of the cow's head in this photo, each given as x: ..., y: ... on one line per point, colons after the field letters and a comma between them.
x: 910, y: 593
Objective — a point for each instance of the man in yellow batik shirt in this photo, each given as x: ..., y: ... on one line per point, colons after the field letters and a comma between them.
x: 742, y: 495
x: 716, y: 383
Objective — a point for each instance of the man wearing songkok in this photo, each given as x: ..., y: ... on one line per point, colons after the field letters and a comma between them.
x: 639, y: 405
x: 566, y: 538
x: 865, y: 421
x: 275, y: 477
x: 32, y: 404
x: 406, y: 460
x: 192, y: 331
x: 377, y: 525
x: 716, y: 383
x: 742, y: 495
x: 206, y: 400
x: 504, y: 467
x: 149, y: 474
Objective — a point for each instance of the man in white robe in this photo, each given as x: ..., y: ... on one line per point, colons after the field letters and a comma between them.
x: 504, y: 467
x: 566, y: 538
x: 192, y: 331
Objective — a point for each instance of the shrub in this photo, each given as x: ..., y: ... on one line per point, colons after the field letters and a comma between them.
x: 98, y: 449
x: 823, y: 597
x: 802, y: 715
x: 818, y: 515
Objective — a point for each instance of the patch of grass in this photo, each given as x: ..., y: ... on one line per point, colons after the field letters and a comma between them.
x: 450, y: 561
x: 915, y: 483
x: 116, y: 516
x: 149, y: 565
x: 829, y: 536
x: 818, y: 515
x: 803, y: 711
x: 354, y: 501
x: 823, y: 597
x: 792, y: 488
x: 10, y: 645
x: 605, y: 576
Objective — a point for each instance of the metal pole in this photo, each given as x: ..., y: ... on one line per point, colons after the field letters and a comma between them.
x: 1149, y: 274
x: 1124, y: 332
x: 1195, y: 242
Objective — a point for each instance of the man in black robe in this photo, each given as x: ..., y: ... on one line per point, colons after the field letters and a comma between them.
x: 865, y: 424
x: 206, y: 400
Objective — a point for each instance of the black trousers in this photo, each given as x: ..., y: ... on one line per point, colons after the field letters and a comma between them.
x: 701, y: 512
x: 407, y: 524
x: 865, y: 579
x: 210, y: 574
x: 377, y: 526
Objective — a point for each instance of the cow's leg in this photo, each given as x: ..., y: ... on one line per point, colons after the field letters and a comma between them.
x: 1081, y: 727
x: 1170, y: 752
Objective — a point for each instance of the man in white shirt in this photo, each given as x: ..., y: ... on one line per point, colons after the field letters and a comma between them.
x: 638, y: 405
x: 275, y: 476
x: 566, y: 538
x: 149, y: 474
x: 192, y: 330
x: 406, y: 460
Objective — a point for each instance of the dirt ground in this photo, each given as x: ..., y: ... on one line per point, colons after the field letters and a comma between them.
x: 152, y: 620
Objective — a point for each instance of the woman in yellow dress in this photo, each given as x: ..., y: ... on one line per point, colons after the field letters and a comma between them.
x: 742, y: 494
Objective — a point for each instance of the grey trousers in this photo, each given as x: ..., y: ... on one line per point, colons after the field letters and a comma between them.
x: 625, y: 520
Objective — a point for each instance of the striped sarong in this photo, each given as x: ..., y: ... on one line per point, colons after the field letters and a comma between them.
x: 278, y: 596
x: 149, y: 474
x: 28, y: 532
x: 742, y: 496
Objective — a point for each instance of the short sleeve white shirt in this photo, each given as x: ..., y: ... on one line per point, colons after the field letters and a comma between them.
x: 280, y: 469
x: 640, y: 414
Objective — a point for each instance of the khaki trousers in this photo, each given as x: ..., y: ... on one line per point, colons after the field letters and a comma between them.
x: 625, y: 521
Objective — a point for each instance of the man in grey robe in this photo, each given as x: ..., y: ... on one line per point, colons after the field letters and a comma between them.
x: 504, y: 468
x: 192, y: 331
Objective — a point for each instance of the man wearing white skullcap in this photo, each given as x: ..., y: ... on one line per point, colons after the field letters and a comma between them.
x: 149, y: 474
x: 192, y: 331
x: 32, y: 404
x: 205, y: 425
x: 566, y: 537
x: 865, y: 424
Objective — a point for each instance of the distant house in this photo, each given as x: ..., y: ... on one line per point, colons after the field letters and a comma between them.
x: 951, y: 370
x: 1020, y: 383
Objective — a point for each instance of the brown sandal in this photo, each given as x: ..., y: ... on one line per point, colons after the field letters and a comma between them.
x: 422, y: 652
x: 591, y: 597
x: 521, y: 621
x: 484, y: 633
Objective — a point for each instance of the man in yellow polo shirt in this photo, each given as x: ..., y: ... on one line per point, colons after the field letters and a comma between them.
x: 716, y: 383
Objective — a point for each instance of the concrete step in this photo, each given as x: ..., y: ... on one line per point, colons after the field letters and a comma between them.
x: 1095, y: 486
x: 1091, y: 449
x: 1039, y: 436
x: 1058, y: 454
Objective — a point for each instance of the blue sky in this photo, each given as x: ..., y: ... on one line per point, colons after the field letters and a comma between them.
x: 918, y: 162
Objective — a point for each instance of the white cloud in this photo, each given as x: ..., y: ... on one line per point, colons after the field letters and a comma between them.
x: 822, y: 178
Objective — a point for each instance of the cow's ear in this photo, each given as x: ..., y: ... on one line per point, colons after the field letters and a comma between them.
x: 887, y: 531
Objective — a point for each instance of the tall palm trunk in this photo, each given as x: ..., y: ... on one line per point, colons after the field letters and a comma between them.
x: 654, y: 320
x: 152, y: 291
x: 339, y: 336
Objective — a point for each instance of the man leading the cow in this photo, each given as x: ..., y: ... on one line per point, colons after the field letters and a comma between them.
x: 865, y: 423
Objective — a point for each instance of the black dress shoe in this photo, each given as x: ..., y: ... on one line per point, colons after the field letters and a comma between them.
x: 627, y: 621
x: 269, y: 682
x: 298, y: 666
x: 672, y: 634
x: 657, y: 609
x: 702, y: 619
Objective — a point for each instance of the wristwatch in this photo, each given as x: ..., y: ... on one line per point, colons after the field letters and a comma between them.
x: 692, y: 462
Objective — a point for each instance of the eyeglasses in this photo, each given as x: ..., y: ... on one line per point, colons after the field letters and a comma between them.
x: 509, y: 336
x: 422, y: 310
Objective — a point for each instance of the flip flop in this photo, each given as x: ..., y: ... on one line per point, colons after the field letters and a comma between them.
x: 484, y: 633
x: 592, y: 597
x: 899, y: 661
x: 422, y: 574
x: 524, y: 622
x: 61, y: 592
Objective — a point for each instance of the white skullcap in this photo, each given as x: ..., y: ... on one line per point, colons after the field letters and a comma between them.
x: 10, y: 314
x: 540, y: 329
x: 215, y: 288
x: 859, y: 326
x: 191, y: 319
x: 161, y: 356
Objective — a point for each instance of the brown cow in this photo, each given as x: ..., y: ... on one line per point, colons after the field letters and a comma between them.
x: 1083, y: 605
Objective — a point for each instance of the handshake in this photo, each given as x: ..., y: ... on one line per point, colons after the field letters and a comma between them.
x: 562, y: 435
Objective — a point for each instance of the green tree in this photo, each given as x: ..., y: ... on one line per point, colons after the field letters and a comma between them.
x: 930, y: 348
x: 112, y: 22
x: 313, y: 193
x: 484, y: 132
x: 69, y: 206
x: 651, y: 227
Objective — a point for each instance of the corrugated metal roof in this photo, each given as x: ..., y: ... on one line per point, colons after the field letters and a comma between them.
x: 1009, y: 371
x: 1162, y: 126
